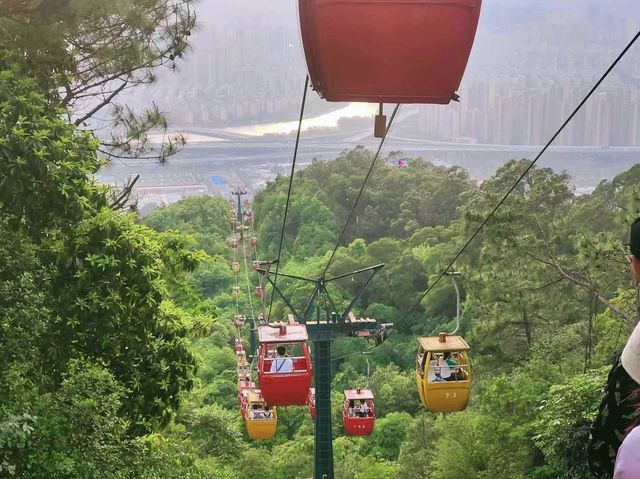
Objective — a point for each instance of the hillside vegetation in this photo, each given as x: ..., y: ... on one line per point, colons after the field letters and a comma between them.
x: 538, y: 284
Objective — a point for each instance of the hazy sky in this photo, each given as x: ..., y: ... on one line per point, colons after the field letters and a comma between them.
x: 581, y: 35
x: 506, y: 17
x: 494, y: 12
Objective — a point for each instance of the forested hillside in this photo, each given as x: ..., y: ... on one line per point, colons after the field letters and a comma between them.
x: 116, y: 334
x: 116, y: 342
x: 547, y: 301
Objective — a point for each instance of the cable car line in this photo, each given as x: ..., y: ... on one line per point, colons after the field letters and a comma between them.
x: 526, y: 171
x: 365, y: 351
x: 286, y: 208
x: 246, y: 274
x: 364, y: 184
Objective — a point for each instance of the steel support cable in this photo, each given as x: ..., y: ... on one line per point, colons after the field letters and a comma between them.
x: 286, y: 208
x: 526, y: 171
x: 246, y: 274
x: 364, y: 184
x: 255, y: 258
x: 235, y: 278
x: 365, y: 351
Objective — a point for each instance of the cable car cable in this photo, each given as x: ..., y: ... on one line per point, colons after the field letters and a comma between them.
x: 366, y: 351
x: 364, y: 184
x: 246, y: 274
x: 286, y: 208
x: 526, y: 171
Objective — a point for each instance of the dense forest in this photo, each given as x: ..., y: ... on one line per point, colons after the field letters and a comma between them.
x: 116, y: 335
x: 547, y: 303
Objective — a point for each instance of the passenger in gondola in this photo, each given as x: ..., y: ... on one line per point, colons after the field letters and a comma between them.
x: 364, y: 409
x: 433, y: 376
x: 351, y: 407
x: 453, y: 366
x: 282, y: 364
x: 256, y: 412
x: 445, y: 369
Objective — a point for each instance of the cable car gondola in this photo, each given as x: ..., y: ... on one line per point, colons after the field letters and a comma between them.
x: 311, y: 402
x: 388, y: 51
x: 284, y: 378
x: 245, y: 384
x: 260, y: 419
x: 239, y: 319
x: 358, y: 412
x: 443, y: 373
x: 242, y: 368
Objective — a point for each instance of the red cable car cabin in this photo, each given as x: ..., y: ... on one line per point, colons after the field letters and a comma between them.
x: 284, y: 380
x: 243, y: 398
x: 358, y: 413
x: 388, y: 51
x: 311, y: 401
x: 239, y: 319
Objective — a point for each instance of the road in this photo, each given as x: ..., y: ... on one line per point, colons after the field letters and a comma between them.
x: 253, y: 161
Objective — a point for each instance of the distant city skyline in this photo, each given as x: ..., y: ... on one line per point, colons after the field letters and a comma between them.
x: 530, y: 66
x: 528, y: 69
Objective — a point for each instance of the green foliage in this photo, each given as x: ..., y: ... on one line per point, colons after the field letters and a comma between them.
x: 76, y: 431
x: 45, y: 164
x: 295, y: 459
x: 255, y: 464
x: 92, y: 352
x: 101, y: 316
x: 85, y: 54
x: 212, y: 431
x: 388, y: 435
x: 14, y: 432
x: 563, y: 424
x: 418, y: 447
x: 526, y: 313
x: 377, y: 470
x: 394, y: 390
x: 395, y: 203
x: 206, y: 218
x: 109, y: 304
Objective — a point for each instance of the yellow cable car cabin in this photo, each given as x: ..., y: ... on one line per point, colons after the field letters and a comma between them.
x: 260, y: 419
x: 242, y: 368
x: 443, y: 373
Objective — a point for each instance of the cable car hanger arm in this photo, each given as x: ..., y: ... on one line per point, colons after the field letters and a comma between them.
x: 276, y: 289
x: 374, y: 270
x: 363, y: 270
x: 268, y: 273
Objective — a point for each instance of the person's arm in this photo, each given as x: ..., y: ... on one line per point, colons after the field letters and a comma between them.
x: 628, y: 459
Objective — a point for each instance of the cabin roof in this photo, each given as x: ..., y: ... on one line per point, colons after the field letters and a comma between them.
x: 452, y: 343
x: 360, y: 393
x: 282, y: 333
x: 255, y: 395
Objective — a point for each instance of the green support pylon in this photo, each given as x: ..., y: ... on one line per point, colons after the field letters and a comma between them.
x: 323, y: 445
x: 321, y: 333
